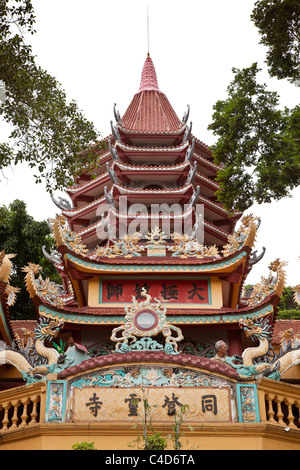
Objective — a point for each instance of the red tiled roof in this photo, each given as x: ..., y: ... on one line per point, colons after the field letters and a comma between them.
x: 149, y: 79
x: 150, y: 110
x: 152, y: 357
x: 281, y: 325
x: 17, y: 326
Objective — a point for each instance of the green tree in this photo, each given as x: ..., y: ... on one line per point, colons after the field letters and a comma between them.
x: 258, y: 144
x: 22, y: 235
x: 48, y: 132
x: 278, y: 22
x: 288, y: 308
x: 287, y: 301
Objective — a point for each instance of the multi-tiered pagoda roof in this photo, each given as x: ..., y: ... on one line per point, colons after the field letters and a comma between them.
x: 154, y: 276
x: 151, y: 157
x: 153, y: 160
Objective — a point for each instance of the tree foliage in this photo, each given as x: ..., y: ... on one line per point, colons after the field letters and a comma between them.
x: 48, y: 132
x: 22, y: 235
x: 278, y: 22
x: 292, y: 314
x: 258, y: 144
x: 287, y: 301
x: 84, y: 446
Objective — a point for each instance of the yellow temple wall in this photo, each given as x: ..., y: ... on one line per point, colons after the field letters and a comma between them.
x: 277, y: 428
x: 217, y: 436
x: 10, y: 372
x: 292, y: 373
x: 93, y: 293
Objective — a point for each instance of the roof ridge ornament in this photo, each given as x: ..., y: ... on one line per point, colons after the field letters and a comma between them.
x: 113, y: 152
x: 108, y: 197
x: 192, y: 174
x: 112, y: 174
x: 190, y: 151
x: 115, y: 132
x: 62, y: 203
x: 188, y: 132
x: 117, y: 114
x: 195, y: 197
x: 254, y: 258
x: 54, y: 257
x: 186, y: 115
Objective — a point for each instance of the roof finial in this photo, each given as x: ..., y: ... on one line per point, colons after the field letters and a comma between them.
x: 148, y: 51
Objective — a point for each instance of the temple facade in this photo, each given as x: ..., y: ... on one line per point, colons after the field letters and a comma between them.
x: 153, y: 274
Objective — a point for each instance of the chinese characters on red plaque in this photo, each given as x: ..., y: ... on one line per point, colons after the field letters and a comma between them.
x: 183, y: 291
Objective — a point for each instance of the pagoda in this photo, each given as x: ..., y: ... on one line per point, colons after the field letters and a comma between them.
x: 152, y: 177
x: 153, y: 275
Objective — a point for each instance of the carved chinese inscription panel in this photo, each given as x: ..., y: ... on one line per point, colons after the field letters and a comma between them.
x: 125, y: 404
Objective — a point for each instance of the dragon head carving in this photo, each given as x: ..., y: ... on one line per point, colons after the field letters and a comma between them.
x: 47, y: 329
x: 257, y: 328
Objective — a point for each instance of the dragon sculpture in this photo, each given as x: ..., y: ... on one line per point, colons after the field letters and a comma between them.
x: 5, y: 275
x: 65, y: 237
x: 244, y: 236
x: 127, y: 247
x: 34, y: 359
x: 273, y: 284
x: 262, y: 360
x: 186, y: 246
x: 51, y: 292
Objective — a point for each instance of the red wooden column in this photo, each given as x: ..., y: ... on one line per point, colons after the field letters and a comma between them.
x: 234, y: 342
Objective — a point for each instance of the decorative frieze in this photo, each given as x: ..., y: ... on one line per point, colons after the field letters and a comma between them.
x: 248, y: 403
x: 56, y: 401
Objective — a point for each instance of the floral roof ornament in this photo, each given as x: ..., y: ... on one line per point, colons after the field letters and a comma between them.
x: 146, y: 319
x: 156, y: 237
x: 156, y: 242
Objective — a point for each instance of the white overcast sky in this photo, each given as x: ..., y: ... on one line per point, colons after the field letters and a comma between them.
x: 96, y: 49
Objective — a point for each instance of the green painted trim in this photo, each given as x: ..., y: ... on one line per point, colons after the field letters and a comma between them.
x: 222, y: 318
x: 189, y: 305
x: 48, y: 418
x: 254, y: 405
x: 156, y: 268
x: 179, y: 319
x: 75, y: 318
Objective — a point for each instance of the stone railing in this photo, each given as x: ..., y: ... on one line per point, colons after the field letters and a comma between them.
x: 279, y: 403
x: 21, y: 407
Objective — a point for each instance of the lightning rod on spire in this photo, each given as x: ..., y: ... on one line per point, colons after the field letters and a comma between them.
x: 148, y: 31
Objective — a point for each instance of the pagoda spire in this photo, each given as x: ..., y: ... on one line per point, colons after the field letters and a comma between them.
x: 149, y: 79
x: 150, y: 110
